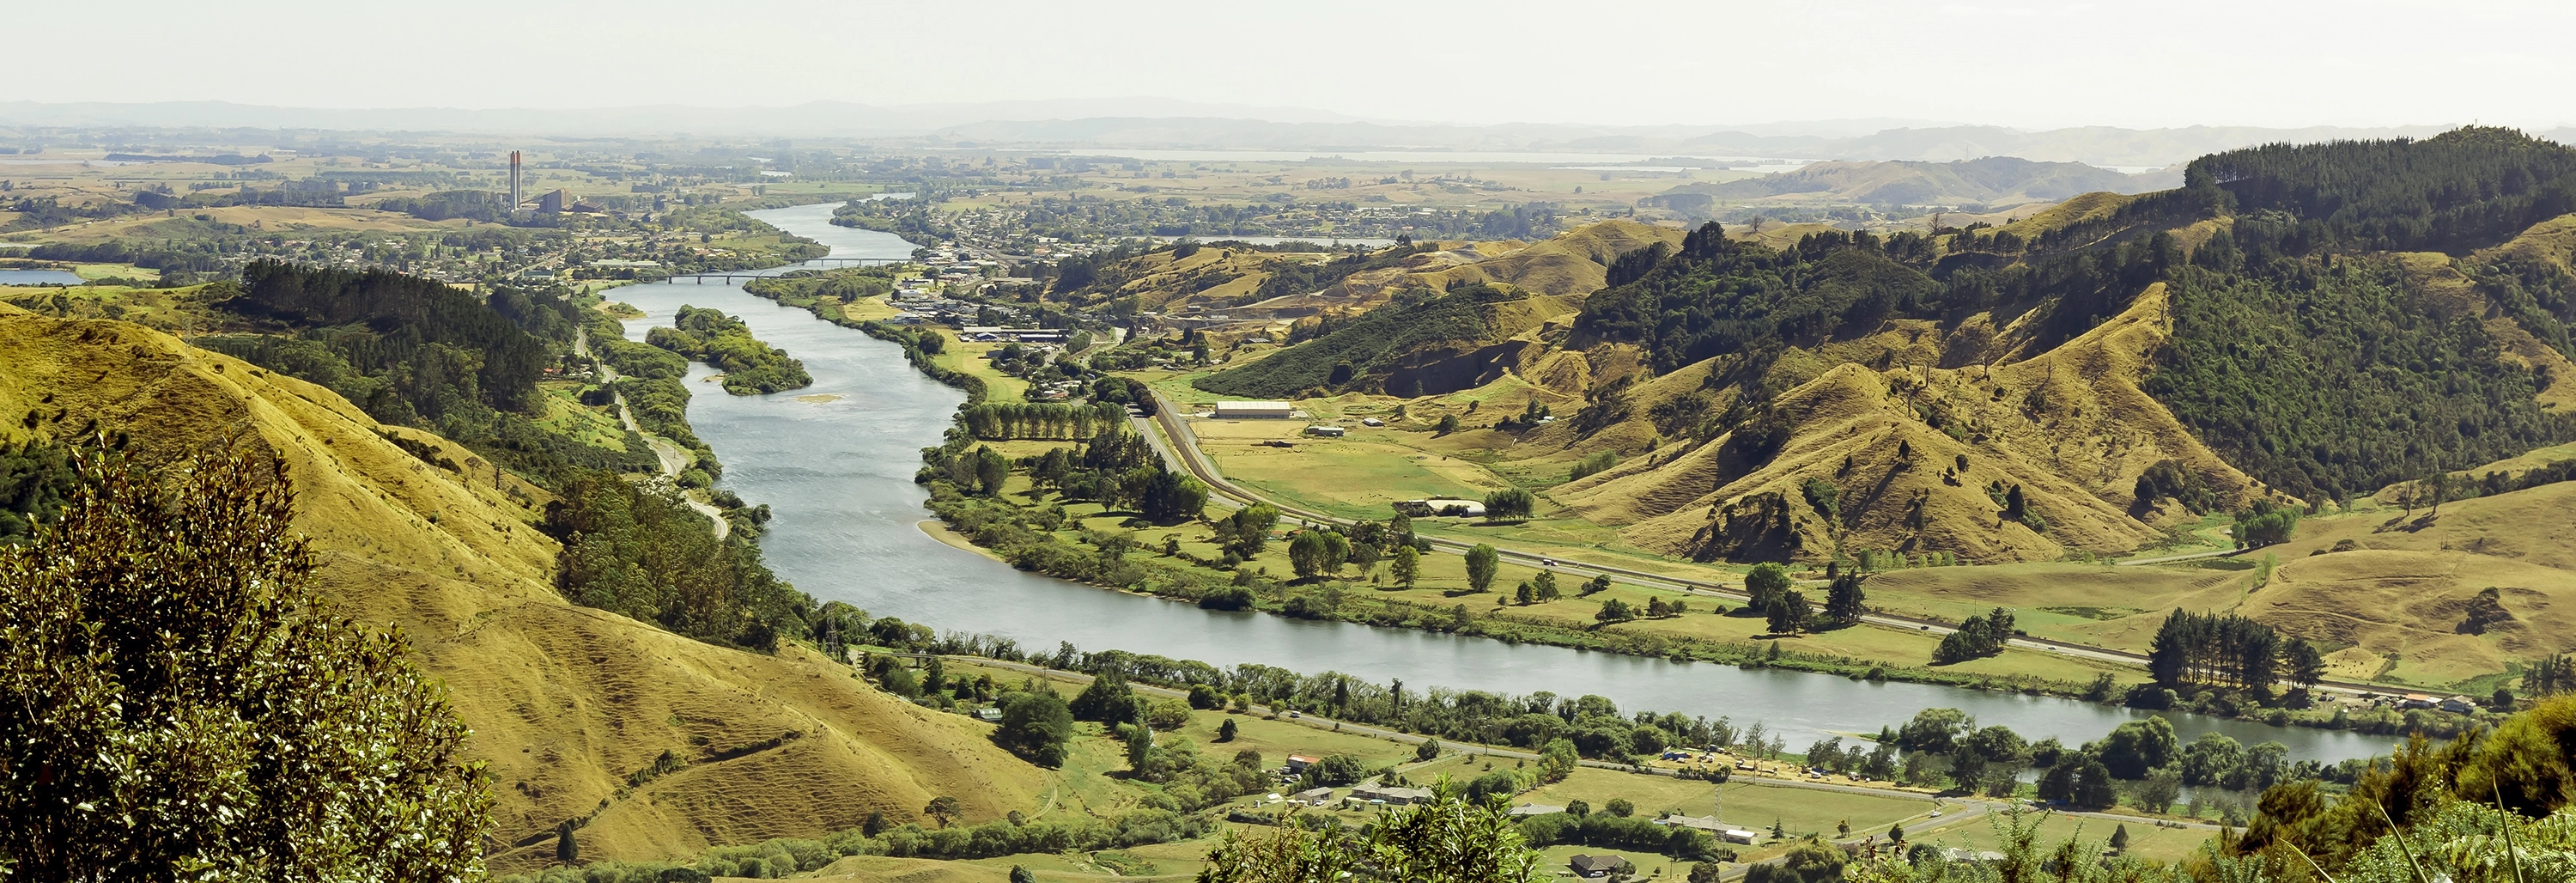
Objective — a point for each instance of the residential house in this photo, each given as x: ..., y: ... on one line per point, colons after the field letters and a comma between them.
x: 1297, y: 763
x: 1595, y: 866
x: 1392, y: 796
x: 2459, y: 705
x: 1315, y: 796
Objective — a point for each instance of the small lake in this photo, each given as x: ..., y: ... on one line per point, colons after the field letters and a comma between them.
x: 39, y: 277
x: 835, y: 461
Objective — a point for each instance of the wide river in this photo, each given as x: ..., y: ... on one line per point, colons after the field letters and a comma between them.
x: 837, y: 476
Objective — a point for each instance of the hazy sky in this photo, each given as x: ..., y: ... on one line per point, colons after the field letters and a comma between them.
x: 2006, y: 62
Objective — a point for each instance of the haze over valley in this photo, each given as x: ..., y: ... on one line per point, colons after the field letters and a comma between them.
x: 1697, y: 444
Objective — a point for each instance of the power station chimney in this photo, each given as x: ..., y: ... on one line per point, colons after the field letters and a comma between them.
x: 514, y: 181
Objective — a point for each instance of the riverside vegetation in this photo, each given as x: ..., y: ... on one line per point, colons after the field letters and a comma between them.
x: 1107, y: 511
x: 432, y: 533
x: 2108, y: 377
x: 750, y: 367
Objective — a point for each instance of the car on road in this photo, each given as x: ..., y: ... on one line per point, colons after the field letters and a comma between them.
x: 1547, y: 562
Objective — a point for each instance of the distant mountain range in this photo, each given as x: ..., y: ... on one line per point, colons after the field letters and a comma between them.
x: 1995, y: 180
x: 1163, y: 124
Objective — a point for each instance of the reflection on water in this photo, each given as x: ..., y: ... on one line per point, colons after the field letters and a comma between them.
x: 38, y: 277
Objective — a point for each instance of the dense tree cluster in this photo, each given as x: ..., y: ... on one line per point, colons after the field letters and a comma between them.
x: 2330, y: 381
x: 36, y: 476
x: 841, y: 285
x: 1368, y: 346
x: 2457, y: 192
x: 177, y: 700
x: 749, y: 366
x: 646, y: 554
x: 2220, y: 650
x: 1979, y: 636
x: 414, y: 352
x: 1004, y: 421
x: 1717, y: 296
x: 1116, y: 468
x: 443, y: 341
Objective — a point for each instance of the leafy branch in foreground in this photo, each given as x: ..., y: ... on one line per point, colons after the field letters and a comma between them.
x: 177, y: 702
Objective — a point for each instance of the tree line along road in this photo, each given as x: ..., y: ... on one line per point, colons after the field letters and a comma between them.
x: 1954, y: 811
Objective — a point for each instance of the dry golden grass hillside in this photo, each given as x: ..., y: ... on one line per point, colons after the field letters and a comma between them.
x: 2070, y: 427
x: 2397, y: 597
x: 1572, y: 264
x: 565, y: 702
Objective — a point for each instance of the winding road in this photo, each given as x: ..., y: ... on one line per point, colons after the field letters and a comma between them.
x: 1171, y: 437
x: 672, y: 458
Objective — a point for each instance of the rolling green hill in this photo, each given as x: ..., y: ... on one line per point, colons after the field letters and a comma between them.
x: 570, y: 706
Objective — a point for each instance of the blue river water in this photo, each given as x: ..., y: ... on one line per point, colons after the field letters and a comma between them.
x: 835, y: 461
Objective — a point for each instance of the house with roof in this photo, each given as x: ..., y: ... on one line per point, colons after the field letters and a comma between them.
x: 1595, y: 866
x: 1391, y: 796
x: 2459, y: 705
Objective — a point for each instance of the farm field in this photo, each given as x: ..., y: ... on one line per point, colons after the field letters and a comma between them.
x: 1744, y: 804
x: 2146, y: 840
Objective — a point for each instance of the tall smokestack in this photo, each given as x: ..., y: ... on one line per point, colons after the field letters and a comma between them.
x: 514, y: 180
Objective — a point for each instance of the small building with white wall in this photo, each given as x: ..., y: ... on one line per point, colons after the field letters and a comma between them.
x: 1255, y: 410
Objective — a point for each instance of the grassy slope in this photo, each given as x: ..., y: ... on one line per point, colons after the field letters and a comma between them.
x: 2394, y: 604
x: 564, y: 701
x: 2070, y: 425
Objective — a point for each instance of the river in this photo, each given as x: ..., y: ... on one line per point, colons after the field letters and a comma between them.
x: 837, y: 472
x: 39, y: 277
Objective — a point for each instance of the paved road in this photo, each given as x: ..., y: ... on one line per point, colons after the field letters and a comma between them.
x: 672, y: 458
x: 1193, y: 459
x: 1170, y: 436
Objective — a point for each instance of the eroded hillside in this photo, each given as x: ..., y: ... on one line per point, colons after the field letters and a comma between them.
x: 569, y: 706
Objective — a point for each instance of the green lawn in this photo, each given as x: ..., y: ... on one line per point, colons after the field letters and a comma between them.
x: 2145, y: 839
x: 1747, y: 804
